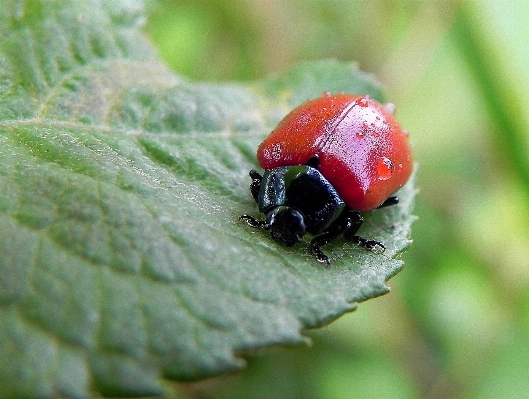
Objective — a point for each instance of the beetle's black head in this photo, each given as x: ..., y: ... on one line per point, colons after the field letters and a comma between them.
x: 286, y: 225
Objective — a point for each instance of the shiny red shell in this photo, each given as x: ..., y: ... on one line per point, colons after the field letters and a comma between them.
x: 362, y: 150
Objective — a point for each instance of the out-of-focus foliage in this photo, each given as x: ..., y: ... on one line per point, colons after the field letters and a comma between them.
x: 457, y: 321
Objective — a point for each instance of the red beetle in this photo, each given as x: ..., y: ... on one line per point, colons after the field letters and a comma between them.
x: 325, y: 162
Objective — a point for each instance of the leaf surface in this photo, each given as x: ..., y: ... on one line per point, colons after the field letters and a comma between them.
x: 123, y: 259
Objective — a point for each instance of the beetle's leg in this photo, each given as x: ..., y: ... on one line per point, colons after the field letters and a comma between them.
x: 252, y: 222
x: 255, y: 185
x: 389, y: 202
x: 337, y: 229
x: 314, y: 161
x: 356, y: 222
x: 369, y: 244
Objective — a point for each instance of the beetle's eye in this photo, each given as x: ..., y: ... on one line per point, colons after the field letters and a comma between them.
x: 286, y: 225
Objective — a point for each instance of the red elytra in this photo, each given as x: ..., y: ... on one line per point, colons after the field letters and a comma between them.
x: 362, y: 150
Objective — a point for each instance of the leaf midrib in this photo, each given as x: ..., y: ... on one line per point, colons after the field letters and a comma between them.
x: 77, y: 126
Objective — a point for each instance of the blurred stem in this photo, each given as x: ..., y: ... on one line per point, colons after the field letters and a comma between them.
x: 506, y: 109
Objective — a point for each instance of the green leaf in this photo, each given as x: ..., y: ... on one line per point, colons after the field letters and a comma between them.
x: 123, y: 259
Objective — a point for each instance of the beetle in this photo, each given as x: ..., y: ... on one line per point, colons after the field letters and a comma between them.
x: 328, y: 161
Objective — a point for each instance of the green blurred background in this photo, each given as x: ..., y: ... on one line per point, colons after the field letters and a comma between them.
x: 456, y: 323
